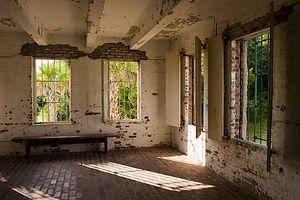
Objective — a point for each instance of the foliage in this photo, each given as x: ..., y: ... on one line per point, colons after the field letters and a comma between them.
x: 63, y: 107
x: 52, y: 100
x: 258, y: 63
x: 41, y: 101
x: 202, y: 89
x: 47, y: 71
x: 125, y: 75
x: 121, y: 71
x: 127, y: 101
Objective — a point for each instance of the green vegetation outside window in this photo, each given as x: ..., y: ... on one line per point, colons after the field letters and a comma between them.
x: 123, y: 90
x: 52, y: 90
x: 258, y: 51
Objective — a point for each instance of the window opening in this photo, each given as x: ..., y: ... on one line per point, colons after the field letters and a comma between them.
x: 202, y: 89
x: 52, y: 90
x: 190, y: 92
x: 123, y: 90
x: 258, y: 53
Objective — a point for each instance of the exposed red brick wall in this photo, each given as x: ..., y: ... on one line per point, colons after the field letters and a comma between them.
x: 235, y: 106
x: 117, y: 51
x: 51, y: 51
x: 189, y: 89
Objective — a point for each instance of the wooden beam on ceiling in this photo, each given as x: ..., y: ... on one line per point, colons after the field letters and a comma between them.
x: 168, y: 12
x: 31, y: 26
x: 95, y: 12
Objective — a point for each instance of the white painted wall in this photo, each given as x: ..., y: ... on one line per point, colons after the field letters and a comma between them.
x: 173, y: 90
x: 240, y: 162
x: 86, y: 87
x: 245, y: 163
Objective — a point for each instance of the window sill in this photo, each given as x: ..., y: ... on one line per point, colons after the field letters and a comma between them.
x: 51, y: 123
x: 123, y: 121
x: 250, y: 143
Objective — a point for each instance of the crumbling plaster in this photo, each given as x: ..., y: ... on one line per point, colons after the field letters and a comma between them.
x: 7, y: 23
x: 239, y: 161
x: 86, y: 99
x: 130, y: 14
x: 243, y: 162
x: 69, y: 17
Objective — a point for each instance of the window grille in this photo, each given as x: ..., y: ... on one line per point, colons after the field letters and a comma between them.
x: 52, y: 90
x: 123, y: 90
x: 258, y: 53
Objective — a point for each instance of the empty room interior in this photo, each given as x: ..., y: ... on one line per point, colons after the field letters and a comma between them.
x: 150, y: 99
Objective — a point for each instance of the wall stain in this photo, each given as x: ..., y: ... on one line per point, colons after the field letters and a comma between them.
x: 73, y: 121
x: 7, y: 22
x: 180, y: 23
x: 76, y: 1
x: 92, y: 113
x: 208, y: 151
x: 131, y: 32
x: 282, y: 107
x: 57, y: 29
x: 167, y: 33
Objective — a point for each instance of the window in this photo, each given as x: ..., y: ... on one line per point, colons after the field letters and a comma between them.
x: 258, y: 88
x: 52, y: 90
x: 123, y: 90
x: 250, y: 88
x: 202, y: 90
x: 190, y: 92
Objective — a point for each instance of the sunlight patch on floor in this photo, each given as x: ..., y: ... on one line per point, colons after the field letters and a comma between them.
x: 182, y: 159
x: 32, y: 193
x: 151, y: 178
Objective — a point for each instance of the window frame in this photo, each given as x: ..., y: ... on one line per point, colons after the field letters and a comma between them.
x: 106, y: 94
x: 244, y: 98
x: 34, y: 89
x: 258, y: 139
x: 192, y: 88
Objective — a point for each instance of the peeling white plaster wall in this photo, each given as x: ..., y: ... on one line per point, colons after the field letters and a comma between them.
x: 86, y: 87
x: 245, y: 163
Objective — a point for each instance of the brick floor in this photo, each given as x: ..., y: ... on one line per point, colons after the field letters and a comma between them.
x: 146, y: 173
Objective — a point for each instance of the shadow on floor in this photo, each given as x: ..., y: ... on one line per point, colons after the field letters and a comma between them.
x: 145, y: 173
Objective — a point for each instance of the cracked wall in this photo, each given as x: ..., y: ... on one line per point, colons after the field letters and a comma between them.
x: 86, y: 93
x: 243, y: 162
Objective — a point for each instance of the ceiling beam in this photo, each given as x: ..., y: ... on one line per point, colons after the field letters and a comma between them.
x: 31, y: 26
x: 168, y: 12
x: 95, y: 12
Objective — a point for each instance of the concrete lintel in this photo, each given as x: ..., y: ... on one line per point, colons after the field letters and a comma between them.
x: 155, y: 24
x: 95, y: 12
x: 31, y: 26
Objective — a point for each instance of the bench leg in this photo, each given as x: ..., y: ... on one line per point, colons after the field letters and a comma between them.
x: 105, y: 145
x: 27, y: 149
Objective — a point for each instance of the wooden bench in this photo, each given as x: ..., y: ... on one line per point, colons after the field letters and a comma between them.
x: 65, y: 139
